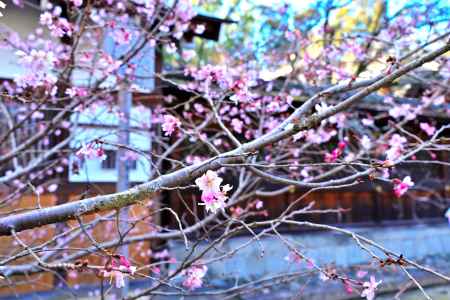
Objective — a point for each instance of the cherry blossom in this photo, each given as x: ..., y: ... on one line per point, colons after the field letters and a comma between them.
x: 336, y: 153
x: 46, y: 18
x: 122, y: 36
x: 194, y: 276
x: 321, y: 107
x: 199, y: 29
x: 91, y: 151
x: 430, y: 130
x: 403, y: 110
x: 396, y: 149
x: 367, y: 122
x: 38, y: 64
x: 213, y: 195
x: 52, y: 187
x: 260, y: 90
x: 209, y: 182
x: 77, y: 3
x: 170, y: 123
x: 361, y: 273
x: 293, y: 257
x: 348, y: 287
x: 259, y: 204
x: 161, y: 254
x: 237, y: 125
x: 118, y: 272
x: 370, y: 288
x: 401, y: 187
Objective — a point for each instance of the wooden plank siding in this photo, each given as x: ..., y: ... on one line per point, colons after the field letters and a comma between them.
x: 361, y: 206
x: 104, y: 231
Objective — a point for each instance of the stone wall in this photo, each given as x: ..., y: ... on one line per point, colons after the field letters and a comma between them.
x: 428, y: 244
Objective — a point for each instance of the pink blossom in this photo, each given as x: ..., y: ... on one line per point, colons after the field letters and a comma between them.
x: 119, y: 271
x: 122, y: 36
x: 46, y: 19
x: 338, y: 119
x: 77, y: 3
x: 213, y: 195
x: 401, y: 187
x: 403, y: 110
x: 76, y: 91
x: 396, y: 149
x: 209, y: 182
x: 348, y: 287
x: 170, y: 123
x: 237, y: 125
x: 89, y: 151
x: 322, y: 107
x: 310, y: 264
x: 61, y: 27
x: 194, y: 276
x: 334, y: 155
x: 52, y: 187
x: 430, y: 130
x: 305, y: 172
x: 370, y: 288
x: 361, y: 274
x: 161, y: 254
x: 39, y: 65
x: 236, y: 211
x: 367, y: 122
x: 259, y: 204
x: 293, y: 257
x: 320, y: 136
x: 199, y: 29
x: 241, y: 95
x: 117, y: 276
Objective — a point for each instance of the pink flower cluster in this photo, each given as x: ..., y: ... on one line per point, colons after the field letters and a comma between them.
x: 370, y: 288
x: 170, y: 123
x: 57, y: 25
x: 118, y: 271
x: 39, y: 65
x: 334, y: 155
x: 396, y: 147
x: 429, y: 129
x: 91, y: 151
x: 209, y: 74
x: 213, y: 195
x: 194, y: 276
x: 209, y: 77
x: 122, y: 36
x: 401, y: 187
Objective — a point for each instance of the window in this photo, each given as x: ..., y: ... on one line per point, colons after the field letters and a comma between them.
x: 110, y: 162
x: 100, y: 123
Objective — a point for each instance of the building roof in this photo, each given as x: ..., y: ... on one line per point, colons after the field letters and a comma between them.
x: 212, y: 27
